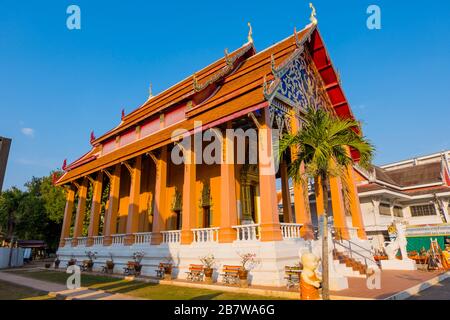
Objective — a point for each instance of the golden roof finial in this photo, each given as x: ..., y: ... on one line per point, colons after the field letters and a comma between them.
x: 250, y: 33
x: 312, y: 17
x: 150, y: 94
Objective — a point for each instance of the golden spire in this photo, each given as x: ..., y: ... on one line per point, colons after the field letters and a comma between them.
x: 312, y: 17
x: 250, y: 33
x: 150, y: 93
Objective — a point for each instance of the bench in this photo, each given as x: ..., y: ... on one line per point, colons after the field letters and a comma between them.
x: 161, y: 267
x: 130, y: 269
x: 195, y: 272
x: 230, y: 274
x: 292, y: 276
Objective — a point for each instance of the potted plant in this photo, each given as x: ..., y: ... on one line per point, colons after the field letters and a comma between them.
x: 72, y: 261
x: 57, y: 262
x: 248, y: 262
x: 168, y: 265
x: 137, y: 257
x: 208, y: 264
x: 110, y: 264
x: 91, y: 256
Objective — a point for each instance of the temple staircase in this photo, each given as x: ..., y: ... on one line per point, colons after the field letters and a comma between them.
x: 353, y: 259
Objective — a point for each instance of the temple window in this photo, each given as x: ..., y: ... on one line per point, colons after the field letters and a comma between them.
x: 385, y: 209
x: 177, y: 205
x: 398, y: 211
x: 423, y: 210
x: 205, y: 205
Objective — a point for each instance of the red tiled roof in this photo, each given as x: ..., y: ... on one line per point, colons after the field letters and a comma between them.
x: 233, y: 91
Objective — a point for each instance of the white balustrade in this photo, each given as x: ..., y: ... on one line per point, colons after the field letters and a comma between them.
x: 206, y: 235
x: 81, y: 241
x: 173, y: 236
x: 291, y: 230
x: 98, y: 240
x: 142, y: 237
x: 247, y: 232
x: 117, y: 239
x: 68, y: 242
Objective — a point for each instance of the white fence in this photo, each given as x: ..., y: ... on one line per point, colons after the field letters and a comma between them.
x: 15, y: 256
x: 142, y: 237
x: 247, y: 232
x: 206, y: 235
x: 173, y: 236
x: 290, y: 230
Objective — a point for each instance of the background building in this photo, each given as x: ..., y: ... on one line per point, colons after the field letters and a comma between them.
x: 5, y: 144
x: 416, y: 191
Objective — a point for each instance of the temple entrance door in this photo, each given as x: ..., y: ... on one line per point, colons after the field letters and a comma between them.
x: 253, y: 204
x: 178, y: 220
x: 206, y: 217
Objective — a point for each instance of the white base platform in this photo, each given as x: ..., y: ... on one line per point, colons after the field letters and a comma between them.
x: 273, y: 257
x: 405, y: 264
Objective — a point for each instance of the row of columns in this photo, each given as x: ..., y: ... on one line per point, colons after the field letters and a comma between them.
x: 269, y: 219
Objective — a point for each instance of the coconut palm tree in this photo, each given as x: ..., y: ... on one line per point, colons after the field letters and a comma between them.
x: 320, y: 150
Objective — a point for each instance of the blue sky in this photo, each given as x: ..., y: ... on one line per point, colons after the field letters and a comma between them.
x: 56, y: 85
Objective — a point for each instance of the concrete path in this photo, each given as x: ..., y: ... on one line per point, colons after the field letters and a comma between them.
x: 31, y: 283
x: 440, y: 291
x: 61, y: 292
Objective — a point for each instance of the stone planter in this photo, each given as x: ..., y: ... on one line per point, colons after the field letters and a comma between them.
x: 71, y: 262
x: 243, y: 278
x: 167, y: 272
x: 109, y: 266
x: 208, y: 275
x: 137, y: 269
x: 89, y: 266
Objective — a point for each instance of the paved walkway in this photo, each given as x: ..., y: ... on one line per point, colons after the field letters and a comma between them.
x: 61, y: 292
x: 440, y: 291
x: 392, y: 283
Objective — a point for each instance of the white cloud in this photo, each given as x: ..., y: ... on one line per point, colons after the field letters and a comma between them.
x: 29, y: 132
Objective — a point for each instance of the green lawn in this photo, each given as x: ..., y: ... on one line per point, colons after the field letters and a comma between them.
x: 9, y: 291
x: 142, y: 289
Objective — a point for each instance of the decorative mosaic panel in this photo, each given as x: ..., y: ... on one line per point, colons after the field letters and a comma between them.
x: 301, y: 85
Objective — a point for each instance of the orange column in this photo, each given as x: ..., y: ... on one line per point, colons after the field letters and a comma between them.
x: 160, y: 196
x: 65, y: 232
x: 110, y: 226
x: 189, y: 208
x: 285, y: 193
x: 337, y: 203
x: 81, y: 211
x: 95, y: 209
x: 269, y: 221
x: 228, y: 217
x: 302, y: 212
x: 133, y: 206
x: 355, y: 206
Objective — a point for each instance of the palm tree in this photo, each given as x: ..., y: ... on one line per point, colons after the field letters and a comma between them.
x: 320, y: 149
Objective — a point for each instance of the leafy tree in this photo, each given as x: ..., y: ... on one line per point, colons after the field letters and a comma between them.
x: 34, y: 214
x: 322, y: 147
x: 9, y: 211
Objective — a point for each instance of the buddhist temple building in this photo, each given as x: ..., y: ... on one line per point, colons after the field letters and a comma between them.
x: 145, y: 199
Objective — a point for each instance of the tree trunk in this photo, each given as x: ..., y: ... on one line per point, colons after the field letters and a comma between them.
x: 325, y: 262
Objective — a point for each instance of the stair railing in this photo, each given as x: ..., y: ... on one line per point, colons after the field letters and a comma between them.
x: 351, y: 243
x: 351, y: 252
